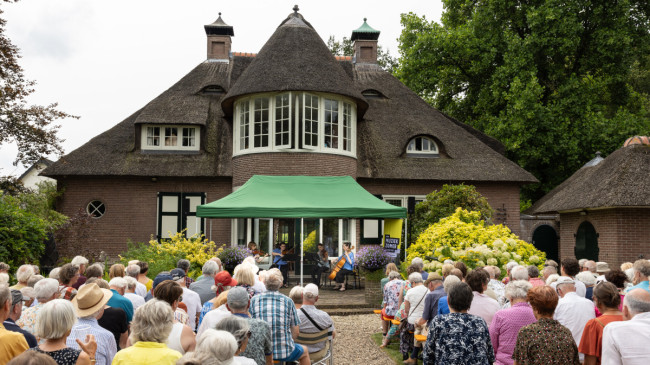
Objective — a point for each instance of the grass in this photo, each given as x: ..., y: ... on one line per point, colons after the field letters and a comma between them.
x: 392, y: 349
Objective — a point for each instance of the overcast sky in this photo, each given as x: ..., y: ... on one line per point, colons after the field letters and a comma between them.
x: 103, y: 60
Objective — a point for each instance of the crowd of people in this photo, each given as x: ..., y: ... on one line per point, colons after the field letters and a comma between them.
x: 75, y: 316
x: 578, y: 312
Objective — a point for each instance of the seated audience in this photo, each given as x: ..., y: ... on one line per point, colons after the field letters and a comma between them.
x: 436, y: 291
x: 150, y: 329
x: 12, y: 343
x: 239, y: 328
x: 54, y: 324
x: 482, y: 305
x: 23, y: 274
x: 573, y: 311
x: 414, y: 307
x: 419, y: 263
x: 245, y: 278
x: 627, y: 342
x: 15, y: 311
x: 68, y: 276
x: 181, y: 338
x: 390, y: 302
x: 443, y: 306
x: 495, y: 284
x: 89, y: 306
x: 296, y: 296
x: 33, y: 280
x: 203, y: 285
x: 389, y: 268
x: 213, y: 347
x: 607, y: 300
x: 54, y: 273
x: 46, y: 290
x: 82, y: 263
x: 313, y: 320
x: 545, y: 342
x: 222, y: 283
x: 29, y: 296
x: 506, y: 323
x: 458, y: 337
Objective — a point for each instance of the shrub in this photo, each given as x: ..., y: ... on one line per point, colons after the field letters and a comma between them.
x: 164, y: 254
x: 443, y: 203
x: 232, y: 256
x: 465, y: 237
x: 21, y: 233
x: 372, y: 257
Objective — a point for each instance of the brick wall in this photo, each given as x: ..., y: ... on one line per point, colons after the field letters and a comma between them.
x: 530, y: 223
x: 131, y: 206
x: 503, y: 197
x: 288, y: 164
x: 623, y: 233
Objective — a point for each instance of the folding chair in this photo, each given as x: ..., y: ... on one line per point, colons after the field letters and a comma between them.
x: 314, y: 338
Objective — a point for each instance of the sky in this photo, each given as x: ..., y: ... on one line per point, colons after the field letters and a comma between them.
x: 104, y: 60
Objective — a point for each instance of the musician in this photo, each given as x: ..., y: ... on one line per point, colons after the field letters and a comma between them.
x: 257, y: 253
x: 348, y: 255
x: 278, y: 261
x: 322, y: 265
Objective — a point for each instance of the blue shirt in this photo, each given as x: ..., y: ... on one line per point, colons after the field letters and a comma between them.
x: 106, y: 346
x: 431, y: 303
x: 278, y: 259
x: 118, y: 301
x: 443, y: 306
x: 280, y: 313
x: 349, y: 261
x: 642, y: 285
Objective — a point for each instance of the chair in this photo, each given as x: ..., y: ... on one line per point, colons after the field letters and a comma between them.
x: 355, y: 278
x: 313, y: 338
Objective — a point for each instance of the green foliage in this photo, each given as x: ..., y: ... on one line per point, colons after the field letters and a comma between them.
x: 163, y: 255
x: 443, y: 203
x: 555, y: 81
x: 346, y: 48
x: 465, y: 237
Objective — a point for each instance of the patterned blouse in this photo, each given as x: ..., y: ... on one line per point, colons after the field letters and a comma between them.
x: 391, y: 296
x: 458, y: 338
x: 545, y: 342
x: 66, y: 356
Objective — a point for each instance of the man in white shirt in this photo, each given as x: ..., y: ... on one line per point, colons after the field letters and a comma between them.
x: 130, y: 294
x: 190, y: 298
x: 482, y: 305
x: 570, y: 268
x: 133, y: 270
x: 572, y: 311
x: 626, y: 342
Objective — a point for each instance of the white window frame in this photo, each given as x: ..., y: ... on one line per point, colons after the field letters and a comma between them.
x: 404, y: 199
x: 297, y: 124
x: 433, y: 147
x: 275, y: 121
x: 161, y: 138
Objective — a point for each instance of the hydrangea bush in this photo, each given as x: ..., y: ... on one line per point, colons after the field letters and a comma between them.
x: 464, y: 236
x: 372, y: 257
x: 233, y: 256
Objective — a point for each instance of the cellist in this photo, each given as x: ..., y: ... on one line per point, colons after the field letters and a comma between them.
x: 347, y: 268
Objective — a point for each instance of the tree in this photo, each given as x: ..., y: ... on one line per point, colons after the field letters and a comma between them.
x: 554, y: 80
x: 345, y: 48
x: 30, y: 127
x: 444, y: 202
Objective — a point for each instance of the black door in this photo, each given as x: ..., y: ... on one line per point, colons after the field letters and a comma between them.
x: 586, y: 242
x: 545, y: 239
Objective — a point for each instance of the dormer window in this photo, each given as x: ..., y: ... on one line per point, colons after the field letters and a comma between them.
x: 372, y: 94
x: 168, y: 137
x: 213, y: 90
x: 422, y: 147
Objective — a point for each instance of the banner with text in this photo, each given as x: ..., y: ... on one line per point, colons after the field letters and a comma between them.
x: 392, y: 236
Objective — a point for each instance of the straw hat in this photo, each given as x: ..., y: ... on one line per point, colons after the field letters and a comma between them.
x: 90, y: 298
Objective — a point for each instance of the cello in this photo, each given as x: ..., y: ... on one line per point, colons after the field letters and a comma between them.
x: 339, y: 265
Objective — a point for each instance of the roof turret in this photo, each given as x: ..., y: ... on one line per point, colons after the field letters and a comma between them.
x: 365, y: 32
x: 219, y: 27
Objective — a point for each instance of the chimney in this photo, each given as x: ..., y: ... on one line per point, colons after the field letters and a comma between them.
x: 219, y: 41
x: 365, y: 43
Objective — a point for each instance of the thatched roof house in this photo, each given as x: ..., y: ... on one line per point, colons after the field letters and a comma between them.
x: 291, y: 109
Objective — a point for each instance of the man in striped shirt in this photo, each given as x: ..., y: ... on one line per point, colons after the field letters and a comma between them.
x: 280, y: 313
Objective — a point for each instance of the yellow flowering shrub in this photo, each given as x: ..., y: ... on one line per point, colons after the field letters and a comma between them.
x: 465, y: 237
x: 310, y: 242
x: 164, y: 254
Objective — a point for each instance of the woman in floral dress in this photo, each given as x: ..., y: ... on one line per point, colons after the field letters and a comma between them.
x: 391, y: 302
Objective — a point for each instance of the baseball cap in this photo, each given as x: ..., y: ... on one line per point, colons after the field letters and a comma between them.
x: 177, y: 274
x: 237, y: 295
x: 310, y: 289
x: 160, y: 278
x: 224, y: 278
x: 16, y: 297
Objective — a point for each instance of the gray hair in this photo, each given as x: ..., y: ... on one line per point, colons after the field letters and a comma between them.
x: 533, y: 271
x: 642, y: 266
x: 34, y: 279
x: 587, y: 278
x: 152, y: 322
x: 510, y: 265
x: 24, y: 272
x: 449, y: 281
x: 5, y: 294
x: 591, y: 265
x: 552, y: 278
x: 118, y: 282
x: 28, y: 293
x: 394, y: 275
x: 131, y: 283
x: 236, y: 326
x: 238, y: 305
x: 211, y: 345
x: 133, y: 270
x: 79, y: 260
x: 210, y: 268
x: 417, y: 261
x: 582, y: 262
x: 519, y: 273
x: 296, y: 294
x: 635, y: 303
x: 55, y: 319
x: 54, y: 274
x: 517, y: 289
x: 550, y: 270
x: 415, y: 278
x: 46, y: 288
x: 183, y: 264
x: 273, y: 280
x: 4, y: 278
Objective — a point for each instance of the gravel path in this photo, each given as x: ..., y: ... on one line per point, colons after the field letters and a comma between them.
x: 353, y: 344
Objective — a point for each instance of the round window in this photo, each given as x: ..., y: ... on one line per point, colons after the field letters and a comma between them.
x: 96, y: 209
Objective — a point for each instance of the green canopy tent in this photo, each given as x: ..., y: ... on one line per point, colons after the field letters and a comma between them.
x: 300, y: 197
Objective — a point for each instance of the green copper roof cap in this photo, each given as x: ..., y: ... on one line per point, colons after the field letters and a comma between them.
x: 365, y: 32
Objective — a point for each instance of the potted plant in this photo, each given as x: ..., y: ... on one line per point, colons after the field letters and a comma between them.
x: 372, y: 260
x: 232, y: 256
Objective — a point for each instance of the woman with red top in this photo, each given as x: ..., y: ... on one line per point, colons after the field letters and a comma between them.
x: 607, y: 300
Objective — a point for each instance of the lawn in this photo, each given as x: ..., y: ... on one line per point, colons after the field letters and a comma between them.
x: 392, y: 350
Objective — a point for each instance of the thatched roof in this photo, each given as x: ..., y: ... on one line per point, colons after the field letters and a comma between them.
x: 620, y: 180
x: 391, y: 122
x: 294, y: 58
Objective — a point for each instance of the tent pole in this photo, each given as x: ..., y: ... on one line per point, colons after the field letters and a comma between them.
x: 406, y: 236
x: 302, y: 247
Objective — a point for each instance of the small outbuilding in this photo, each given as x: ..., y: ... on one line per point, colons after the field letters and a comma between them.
x: 604, y: 208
